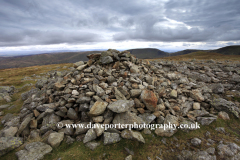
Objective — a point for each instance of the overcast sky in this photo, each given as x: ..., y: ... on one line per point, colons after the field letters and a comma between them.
x: 32, y: 25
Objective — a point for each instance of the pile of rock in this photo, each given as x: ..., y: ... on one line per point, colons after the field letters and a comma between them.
x: 115, y: 87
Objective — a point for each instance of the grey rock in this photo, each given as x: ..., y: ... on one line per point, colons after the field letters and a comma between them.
x: 119, y: 95
x: 120, y: 106
x: 127, y: 118
x: 90, y: 135
x: 69, y: 140
x: 106, y: 60
x: 110, y: 138
x: 220, y: 130
x: 72, y: 114
x: 9, y: 143
x: 55, y: 139
x: 34, y: 151
x: 134, y: 69
x: 128, y: 157
x: 4, y: 106
x: 197, y: 95
x: 24, y: 124
x: 10, y: 132
x: 218, y: 88
x: 82, y: 128
x: 99, y: 129
x: 147, y: 117
x: 82, y: 100
x: 196, y: 142
x: 92, y: 145
x: 228, y: 150
x: 206, y: 120
x: 44, y: 107
x: 98, y: 108
x: 221, y: 104
x: 167, y: 132
x: 173, y: 94
x: 135, y: 93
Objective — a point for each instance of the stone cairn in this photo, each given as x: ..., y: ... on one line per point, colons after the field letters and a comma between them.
x: 111, y: 88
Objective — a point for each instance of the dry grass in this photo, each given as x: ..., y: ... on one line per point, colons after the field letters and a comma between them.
x: 201, y: 55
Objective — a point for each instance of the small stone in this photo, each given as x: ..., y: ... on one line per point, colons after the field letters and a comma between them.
x: 173, y: 94
x: 128, y: 157
x: 223, y: 115
x: 196, y: 142
x: 72, y: 114
x: 196, y: 106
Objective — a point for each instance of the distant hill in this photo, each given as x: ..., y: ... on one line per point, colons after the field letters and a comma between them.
x: 68, y: 57
x: 186, y: 51
x: 43, y: 59
x: 148, y: 53
x: 229, y: 50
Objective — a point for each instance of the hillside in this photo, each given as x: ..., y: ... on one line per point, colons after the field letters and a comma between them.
x: 147, y: 53
x: 203, y: 55
x: 228, y: 50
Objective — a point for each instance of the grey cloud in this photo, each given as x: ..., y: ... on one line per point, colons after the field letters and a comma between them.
x: 33, y: 22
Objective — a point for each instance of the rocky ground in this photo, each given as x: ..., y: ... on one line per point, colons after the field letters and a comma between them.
x: 115, y: 87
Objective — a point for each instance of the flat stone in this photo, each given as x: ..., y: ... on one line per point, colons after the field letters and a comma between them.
x: 34, y: 151
x: 9, y: 143
x: 205, y: 121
